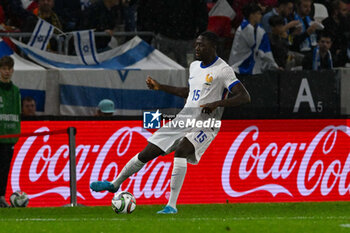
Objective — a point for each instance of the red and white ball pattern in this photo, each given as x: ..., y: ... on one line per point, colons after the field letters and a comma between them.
x: 123, y: 203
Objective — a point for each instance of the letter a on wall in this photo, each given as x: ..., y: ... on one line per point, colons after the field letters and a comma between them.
x: 304, y: 95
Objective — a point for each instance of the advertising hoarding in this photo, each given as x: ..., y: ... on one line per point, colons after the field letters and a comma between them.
x: 248, y: 161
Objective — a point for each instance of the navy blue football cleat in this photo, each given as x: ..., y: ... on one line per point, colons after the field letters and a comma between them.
x: 105, y: 185
x: 168, y: 210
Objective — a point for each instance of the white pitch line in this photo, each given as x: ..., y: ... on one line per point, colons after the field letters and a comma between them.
x: 345, y: 225
x: 119, y: 218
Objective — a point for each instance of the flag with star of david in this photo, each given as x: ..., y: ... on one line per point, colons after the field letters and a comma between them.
x: 41, y: 35
x: 84, y: 42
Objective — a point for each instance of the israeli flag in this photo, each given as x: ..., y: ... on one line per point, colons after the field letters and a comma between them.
x: 41, y: 35
x: 85, y: 48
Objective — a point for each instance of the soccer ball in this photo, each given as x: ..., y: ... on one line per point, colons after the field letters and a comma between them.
x: 123, y: 203
x: 19, y: 199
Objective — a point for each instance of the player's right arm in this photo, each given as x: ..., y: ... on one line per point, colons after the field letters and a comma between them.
x: 178, y: 91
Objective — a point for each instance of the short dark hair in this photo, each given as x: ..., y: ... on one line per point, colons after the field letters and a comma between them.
x: 324, y: 34
x: 7, y: 61
x: 211, y: 36
x: 276, y: 20
x: 250, y: 8
x: 28, y: 98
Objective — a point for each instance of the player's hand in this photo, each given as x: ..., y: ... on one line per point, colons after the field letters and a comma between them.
x: 152, y: 84
x: 208, y: 108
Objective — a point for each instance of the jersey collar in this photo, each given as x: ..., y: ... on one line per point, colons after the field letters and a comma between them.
x: 6, y: 86
x: 203, y: 66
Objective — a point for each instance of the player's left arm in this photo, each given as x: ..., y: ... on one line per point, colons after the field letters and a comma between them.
x: 239, y: 95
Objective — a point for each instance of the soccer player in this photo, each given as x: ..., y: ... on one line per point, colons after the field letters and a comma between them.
x: 210, y: 78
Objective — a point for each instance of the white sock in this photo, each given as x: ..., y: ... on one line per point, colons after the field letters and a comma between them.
x: 134, y: 165
x: 177, y: 179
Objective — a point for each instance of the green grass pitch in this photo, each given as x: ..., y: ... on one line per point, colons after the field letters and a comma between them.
x: 317, y: 217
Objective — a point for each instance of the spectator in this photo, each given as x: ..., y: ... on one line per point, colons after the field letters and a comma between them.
x: 251, y: 51
x: 220, y: 19
x: 10, y: 110
x: 30, y: 5
x: 28, y: 106
x: 320, y: 58
x: 148, y: 12
x: 102, y: 16
x: 238, y: 4
x: 338, y: 26
x: 284, y: 8
x: 180, y: 22
x: 85, y: 4
x: 45, y: 11
x: 5, y: 15
x: 2, y: 16
x: 129, y: 11
x: 69, y: 13
x: 17, y: 16
x: 279, y: 41
x: 304, y: 36
x: 105, y: 108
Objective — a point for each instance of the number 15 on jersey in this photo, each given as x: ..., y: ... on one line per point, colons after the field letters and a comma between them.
x: 201, y: 136
x: 196, y: 94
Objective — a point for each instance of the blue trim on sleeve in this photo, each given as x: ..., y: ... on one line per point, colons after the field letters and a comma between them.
x: 232, y: 85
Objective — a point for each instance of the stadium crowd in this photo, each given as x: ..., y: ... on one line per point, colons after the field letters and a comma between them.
x: 254, y: 35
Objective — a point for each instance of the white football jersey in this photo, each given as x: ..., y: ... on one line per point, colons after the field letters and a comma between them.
x: 208, y: 84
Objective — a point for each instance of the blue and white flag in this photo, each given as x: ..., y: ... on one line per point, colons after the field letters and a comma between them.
x: 119, y: 76
x: 84, y: 42
x: 134, y: 54
x: 251, y: 50
x: 41, y: 35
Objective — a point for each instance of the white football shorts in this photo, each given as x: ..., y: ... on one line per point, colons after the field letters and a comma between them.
x: 168, y: 140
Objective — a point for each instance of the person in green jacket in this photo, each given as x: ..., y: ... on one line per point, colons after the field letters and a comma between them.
x: 10, y: 122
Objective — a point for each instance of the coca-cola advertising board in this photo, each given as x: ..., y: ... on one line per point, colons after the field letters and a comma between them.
x: 248, y: 161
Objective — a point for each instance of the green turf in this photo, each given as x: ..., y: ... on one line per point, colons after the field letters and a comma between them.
x: 317, y: 217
